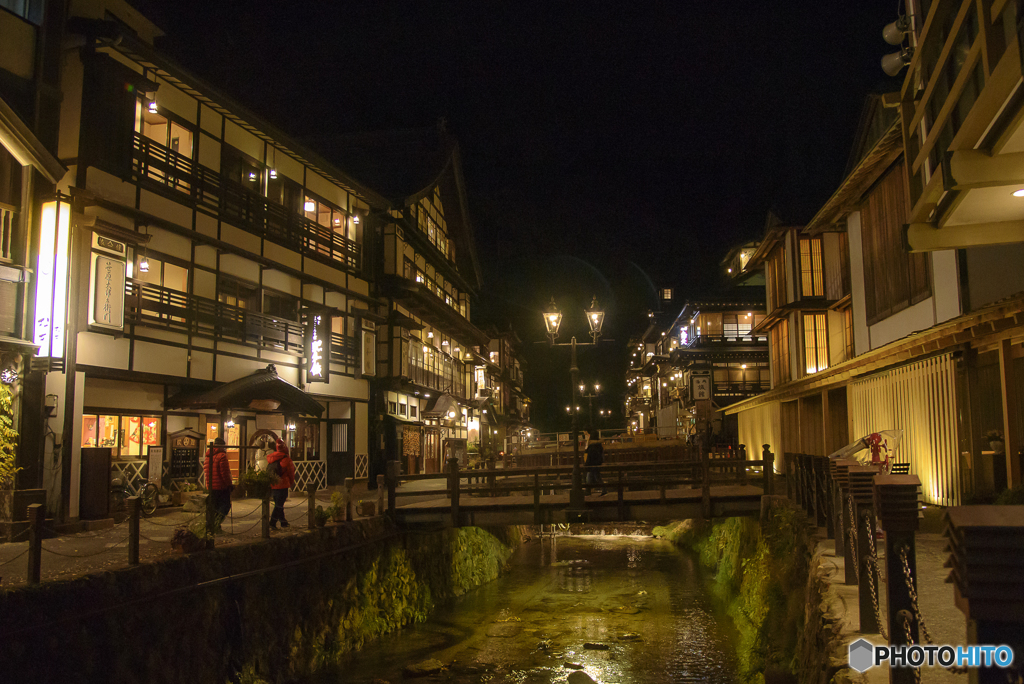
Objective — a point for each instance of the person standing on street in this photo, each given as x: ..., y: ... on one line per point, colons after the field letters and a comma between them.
x: 218, y: 479
x: 595, y: 459
x: 280, y: 464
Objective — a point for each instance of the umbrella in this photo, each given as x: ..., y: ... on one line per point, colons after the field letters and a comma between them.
x: 878, y: 447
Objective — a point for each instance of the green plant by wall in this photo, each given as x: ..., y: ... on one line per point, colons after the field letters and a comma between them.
x: 762, y: 577
x: 8, y: 438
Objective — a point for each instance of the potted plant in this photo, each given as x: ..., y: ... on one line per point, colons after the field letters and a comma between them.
x: 320, y: 516
x: 995, y: 440
x: 258, y: 482
x: 190, y: 537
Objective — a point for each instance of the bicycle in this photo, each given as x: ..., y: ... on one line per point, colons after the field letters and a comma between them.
x: 120, y: 490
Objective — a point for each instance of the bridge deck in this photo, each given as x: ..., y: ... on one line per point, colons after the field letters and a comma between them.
x: 636, y: 506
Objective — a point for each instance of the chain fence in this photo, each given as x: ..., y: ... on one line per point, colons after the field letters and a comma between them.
x: 108, y: 549
x: 877, y: 567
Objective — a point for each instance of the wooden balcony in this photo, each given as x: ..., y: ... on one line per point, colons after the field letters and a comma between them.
x: 160, y: 307
x: 165, y: 170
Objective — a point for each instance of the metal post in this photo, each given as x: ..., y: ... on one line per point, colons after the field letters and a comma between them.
x: 896, y: 506
x: 36, y: 517
x: 381, y: 484
x: 392, y: 472
x: 768, y: 470
x: 349, y: 512
x: 265, y: 516
x: 453, y: 489
x: 849, y: 559
x: 134, y: 509
x: 311, y: 505
x: 576, y: 499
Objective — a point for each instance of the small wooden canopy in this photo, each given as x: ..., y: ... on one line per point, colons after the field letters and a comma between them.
x: 264, y: 390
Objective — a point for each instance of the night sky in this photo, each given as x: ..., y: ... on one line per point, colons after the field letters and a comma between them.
x: 608, y: 148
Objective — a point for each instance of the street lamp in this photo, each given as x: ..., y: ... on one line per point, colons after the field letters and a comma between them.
x: 589, y: 396
x: 552, y: 320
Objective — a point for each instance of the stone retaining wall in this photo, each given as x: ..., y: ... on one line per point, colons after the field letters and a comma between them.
x: 270, y: 611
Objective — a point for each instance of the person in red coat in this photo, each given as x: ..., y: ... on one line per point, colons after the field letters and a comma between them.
x: 218, y: 478
x: 280, y: 464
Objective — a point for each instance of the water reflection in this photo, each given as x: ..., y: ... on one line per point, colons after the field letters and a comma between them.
x: 619, y: 609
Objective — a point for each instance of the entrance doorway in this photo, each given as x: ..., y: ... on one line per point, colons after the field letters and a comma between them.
x: 341, y: 462
x: 431, y: 450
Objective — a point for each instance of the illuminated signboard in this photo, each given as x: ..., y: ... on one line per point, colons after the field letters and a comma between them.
x: 318, y: 347
x: 701, y: 388
x: 52, y: 280
x: 106, y: 307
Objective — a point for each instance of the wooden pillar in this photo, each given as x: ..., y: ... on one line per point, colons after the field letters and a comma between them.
x: 1011, y: 399
x: 988, y: 585
x: 820, y: 467
x: 349, y: 504
x: 896, y: 506
x: 265, y: 516
x: 849, y: 555
x: 310, y: 506
x: 840, y: 466
x: 768, y: 470
x: 391, y: 473
x: 453, y: 489
x: 134, y: 508
x: 36, y: 517
x: 862, y: 492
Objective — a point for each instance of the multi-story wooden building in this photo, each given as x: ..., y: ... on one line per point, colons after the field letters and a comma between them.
x: 916, y: 341
x: 428, y: 349
x: 29, y: 173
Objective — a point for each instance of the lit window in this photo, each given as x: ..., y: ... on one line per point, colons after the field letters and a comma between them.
x: 811, y: 280
x: 815, y: 342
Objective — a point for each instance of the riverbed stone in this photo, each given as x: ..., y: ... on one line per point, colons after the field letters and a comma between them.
x: 595, y: 646
x: 504, y: 630
x: 572, y: 666
x: 423, y: 668
x: 580, y: 677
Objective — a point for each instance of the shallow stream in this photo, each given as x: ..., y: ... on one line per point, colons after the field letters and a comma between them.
x: 575, y: 609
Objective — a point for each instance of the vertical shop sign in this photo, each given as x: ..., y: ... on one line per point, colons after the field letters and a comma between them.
x: 52, y: 280
x: 318, y: 347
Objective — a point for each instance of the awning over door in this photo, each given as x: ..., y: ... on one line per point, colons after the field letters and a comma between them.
x: 264, y: 390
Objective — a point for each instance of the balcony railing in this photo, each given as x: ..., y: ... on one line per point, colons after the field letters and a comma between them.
x: 254, y: 213
x: 701, y: 340
x: 156, y: 306
x: 725, y: 389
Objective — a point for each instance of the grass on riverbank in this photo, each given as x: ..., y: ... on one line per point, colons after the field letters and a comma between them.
x: 762, y: 577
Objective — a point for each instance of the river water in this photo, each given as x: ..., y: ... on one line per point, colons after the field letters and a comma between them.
x: 624, y: 609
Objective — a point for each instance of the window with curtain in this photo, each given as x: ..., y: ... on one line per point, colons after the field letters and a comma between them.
x: 811, y: 276
x: 815, y: 342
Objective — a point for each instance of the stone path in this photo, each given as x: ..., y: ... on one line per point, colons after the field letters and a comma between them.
x: 945, y: 622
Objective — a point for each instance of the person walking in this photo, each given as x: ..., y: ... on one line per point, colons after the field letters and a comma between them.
x: 280, y: 464
x: 218, y: 480
x: 595, y: 459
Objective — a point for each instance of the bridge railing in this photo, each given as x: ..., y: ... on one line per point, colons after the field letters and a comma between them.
x: 658, y: 476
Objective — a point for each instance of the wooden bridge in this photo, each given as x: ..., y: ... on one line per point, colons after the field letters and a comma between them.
x: 636, y: 492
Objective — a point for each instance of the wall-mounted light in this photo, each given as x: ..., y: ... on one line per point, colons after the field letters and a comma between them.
x: 152, y: 106
x: 309, y: 205
x: 426, y: 349
x: 894, y: 62
x: 229, y: 423
x: 253, y: 177
x: 426, y: 396
x: 8, y: 376
x: 451, y: 414
x: 273, y: 173
x: 52, y: 279
x: 291, y: 426
x: 1018, y: 193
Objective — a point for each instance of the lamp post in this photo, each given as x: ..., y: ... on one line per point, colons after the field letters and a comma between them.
x: 589, y: 396
x: 552, y: 320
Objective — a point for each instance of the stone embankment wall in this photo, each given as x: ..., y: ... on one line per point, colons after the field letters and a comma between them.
x: 267, y: 612
x: 773, y: 585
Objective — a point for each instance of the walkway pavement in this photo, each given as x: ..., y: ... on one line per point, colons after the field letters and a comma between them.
x: 945, y: 622
x: 73, y: 555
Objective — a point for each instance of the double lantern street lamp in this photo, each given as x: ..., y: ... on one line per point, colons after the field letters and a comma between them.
x: 552, y: 320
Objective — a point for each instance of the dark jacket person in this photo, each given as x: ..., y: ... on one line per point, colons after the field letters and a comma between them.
x: 595, y: 458
x: 218, y: 478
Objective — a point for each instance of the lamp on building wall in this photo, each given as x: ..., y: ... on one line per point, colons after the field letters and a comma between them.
x: 51, y: 299
x: 309, y: 205
x: 894, y: 33
x: 152, y: 106
x: 894, y: 62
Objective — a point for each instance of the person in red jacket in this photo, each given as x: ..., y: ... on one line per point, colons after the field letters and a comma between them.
x: 280, y: 464
x: 218, y: 479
